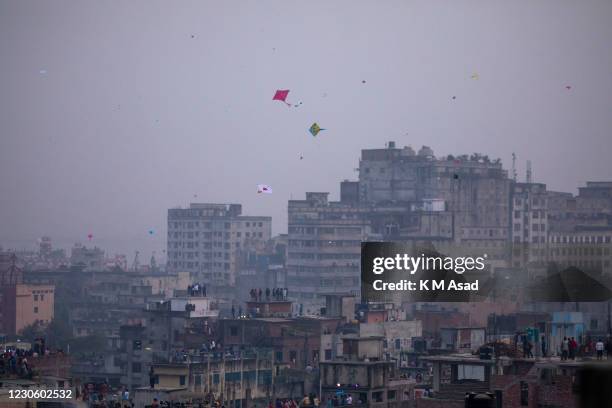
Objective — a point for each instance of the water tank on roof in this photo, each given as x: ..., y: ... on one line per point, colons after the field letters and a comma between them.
x: 391, y: 145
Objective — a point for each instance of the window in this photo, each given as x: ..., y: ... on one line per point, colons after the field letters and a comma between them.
x: 328, y: 354
x: 136, y: 345
x: 390, y: 395
x: 198, y: 379
x: 36, y: 298
x: 398, y: 344
x: 42, y: 297
x: 233, y: 331
x: 524, y: 394
x: 261, y: 224
x: 182, y: 380
x: 35, y: 309
x: 279, y: 356
x: 136, y: 367
x: 377, y: 396
x: 292, y: 355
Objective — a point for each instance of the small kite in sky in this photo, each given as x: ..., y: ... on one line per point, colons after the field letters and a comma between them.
x: 42, y: 71
x: 151, y: 232
x: 90, y: 236
x: 315, y: 129
x: 363, y: 82
x: 475, y: 76
x: 264, y: 188
x: 568, y: 87
x: 281, y: 95
x: 454, y: 97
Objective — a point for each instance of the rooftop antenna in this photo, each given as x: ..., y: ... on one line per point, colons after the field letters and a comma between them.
x: 153, y: 263
x: 135, y: 264
x: 514, y: 167
x: 528, y: 177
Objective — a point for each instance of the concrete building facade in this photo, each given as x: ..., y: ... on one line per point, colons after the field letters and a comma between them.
x: 324, y: 249
x: 205, y: 240
x: 529, y: 223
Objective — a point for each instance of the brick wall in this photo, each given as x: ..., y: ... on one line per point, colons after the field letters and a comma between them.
x: 558, y: 393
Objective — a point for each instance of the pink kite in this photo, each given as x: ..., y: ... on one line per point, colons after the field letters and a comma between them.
x: 281, y: 95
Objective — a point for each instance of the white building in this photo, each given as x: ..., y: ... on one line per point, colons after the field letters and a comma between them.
x: 205, y: 240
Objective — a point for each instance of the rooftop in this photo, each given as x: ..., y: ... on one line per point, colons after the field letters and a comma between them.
x: 466, y: 359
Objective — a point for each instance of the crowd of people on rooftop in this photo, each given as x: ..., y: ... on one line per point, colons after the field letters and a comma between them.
x: 278, y: 294
x: 14, y: 360
x: 196, y: 289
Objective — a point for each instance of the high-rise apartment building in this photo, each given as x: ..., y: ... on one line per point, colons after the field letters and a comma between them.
x: 450, y: 193
x: 529, y: 223
x: 324, y: 248
x: 400, y: 196
x: 205, y: 240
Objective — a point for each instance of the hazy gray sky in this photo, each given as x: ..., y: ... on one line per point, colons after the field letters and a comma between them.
x: 110, y: 112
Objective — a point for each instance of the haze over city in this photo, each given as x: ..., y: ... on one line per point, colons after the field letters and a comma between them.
x: 111, y: 114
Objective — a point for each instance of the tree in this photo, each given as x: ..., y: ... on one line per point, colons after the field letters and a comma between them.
x: 59, y: 334
x: 31, y: 332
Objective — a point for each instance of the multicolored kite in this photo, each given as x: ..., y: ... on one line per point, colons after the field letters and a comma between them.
x: 281, y: 95
x: 315, y: 129
x: 264, y: 188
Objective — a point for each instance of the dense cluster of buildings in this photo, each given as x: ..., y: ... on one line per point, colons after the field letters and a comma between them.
x: 191, y: 330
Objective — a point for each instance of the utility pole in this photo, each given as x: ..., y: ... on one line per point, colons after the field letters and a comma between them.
x: 135, y: 263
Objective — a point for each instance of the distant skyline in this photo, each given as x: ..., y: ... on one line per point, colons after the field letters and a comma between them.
x: 111, y: 113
